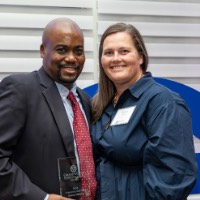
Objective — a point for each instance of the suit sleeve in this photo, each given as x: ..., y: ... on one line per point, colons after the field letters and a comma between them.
x: 170, y: 168
x: 14, y: 183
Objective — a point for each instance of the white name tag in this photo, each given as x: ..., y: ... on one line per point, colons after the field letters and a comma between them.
x: 123, y: 116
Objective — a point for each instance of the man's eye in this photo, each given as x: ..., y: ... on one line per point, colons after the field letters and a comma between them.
x: 79, y: 52
x: 61, y: 50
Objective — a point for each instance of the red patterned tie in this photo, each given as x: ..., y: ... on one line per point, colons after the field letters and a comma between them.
x: 84, y: 148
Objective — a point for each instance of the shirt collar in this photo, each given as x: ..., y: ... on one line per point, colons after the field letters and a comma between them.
x: 141, y: 85
x: 64, y: 91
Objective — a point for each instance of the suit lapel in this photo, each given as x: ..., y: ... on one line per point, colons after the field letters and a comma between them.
x: 56, y: 106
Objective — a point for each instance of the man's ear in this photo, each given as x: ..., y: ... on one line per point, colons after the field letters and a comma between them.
x: 42, y: 51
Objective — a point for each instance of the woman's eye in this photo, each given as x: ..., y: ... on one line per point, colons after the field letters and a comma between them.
x: 108, y: 53
x: 124, y: 51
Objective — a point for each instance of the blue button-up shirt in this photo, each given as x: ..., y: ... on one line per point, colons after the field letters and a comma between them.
x: 150, y: 157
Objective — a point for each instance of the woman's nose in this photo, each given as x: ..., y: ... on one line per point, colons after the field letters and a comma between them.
x: 116, y: 56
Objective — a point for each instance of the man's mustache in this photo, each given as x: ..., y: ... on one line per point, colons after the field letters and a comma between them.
x: 69, y: 65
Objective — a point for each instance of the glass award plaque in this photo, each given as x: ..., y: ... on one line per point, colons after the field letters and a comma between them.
x: 70, y: 179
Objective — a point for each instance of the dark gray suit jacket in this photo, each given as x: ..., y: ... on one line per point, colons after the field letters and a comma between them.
x: 34, y: 133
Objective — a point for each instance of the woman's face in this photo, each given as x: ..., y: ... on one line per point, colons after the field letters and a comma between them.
x: 120, y: 59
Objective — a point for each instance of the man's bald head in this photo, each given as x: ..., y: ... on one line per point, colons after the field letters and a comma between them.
x: 58, y: 24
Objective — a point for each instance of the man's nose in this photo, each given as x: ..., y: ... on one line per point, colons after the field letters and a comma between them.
x: 70, y: 57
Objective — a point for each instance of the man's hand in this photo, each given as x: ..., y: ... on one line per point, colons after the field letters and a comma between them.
x: 57, y: 197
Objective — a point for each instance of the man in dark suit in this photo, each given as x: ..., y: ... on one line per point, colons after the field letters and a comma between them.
x: 36, y: 118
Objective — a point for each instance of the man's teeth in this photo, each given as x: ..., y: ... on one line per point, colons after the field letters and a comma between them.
x: 71, y: 68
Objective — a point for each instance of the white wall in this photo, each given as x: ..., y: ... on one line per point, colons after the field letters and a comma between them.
x: 21, y: 25
x: 171, y: 30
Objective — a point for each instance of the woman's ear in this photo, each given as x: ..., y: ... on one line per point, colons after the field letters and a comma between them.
x: 141, y: 59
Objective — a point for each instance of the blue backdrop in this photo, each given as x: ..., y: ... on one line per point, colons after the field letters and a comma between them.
x: 192, y: 98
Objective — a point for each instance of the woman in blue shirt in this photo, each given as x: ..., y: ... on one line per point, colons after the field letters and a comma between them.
x: 142, y: 131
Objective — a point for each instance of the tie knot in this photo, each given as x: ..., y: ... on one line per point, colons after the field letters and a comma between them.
x: 71, y: 97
